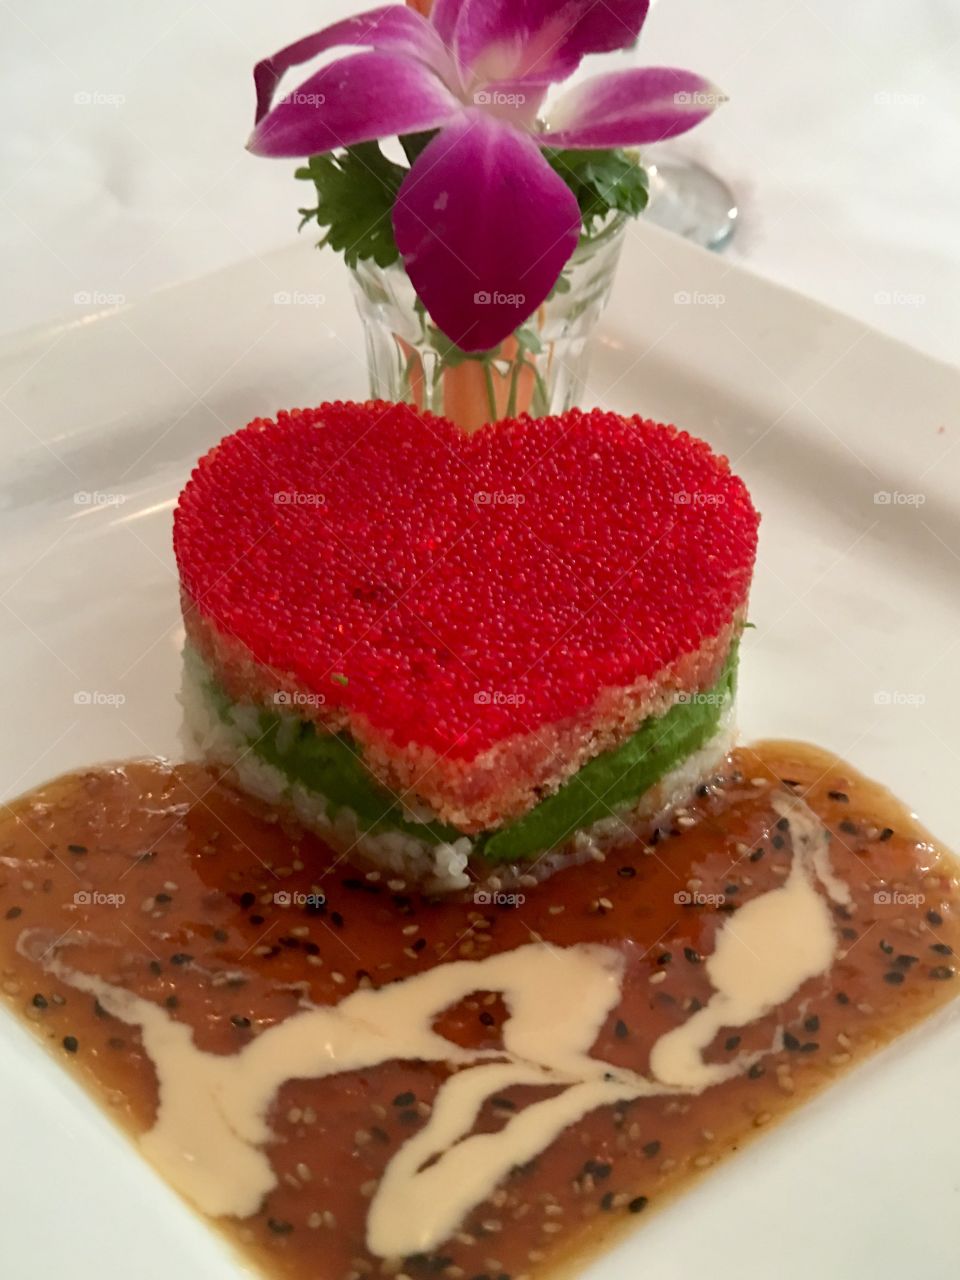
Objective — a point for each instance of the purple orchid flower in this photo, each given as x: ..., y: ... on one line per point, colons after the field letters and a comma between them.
x: 483, y: 222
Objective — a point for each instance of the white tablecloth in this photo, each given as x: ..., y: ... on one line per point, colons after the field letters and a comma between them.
x: 122, y: 165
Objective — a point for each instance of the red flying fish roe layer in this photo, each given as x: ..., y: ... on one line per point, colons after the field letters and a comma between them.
x: 452, y: 590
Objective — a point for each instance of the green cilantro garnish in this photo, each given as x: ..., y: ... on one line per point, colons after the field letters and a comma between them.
x: 356, y: 189
x: 604, y: 182
x: 339, y: 678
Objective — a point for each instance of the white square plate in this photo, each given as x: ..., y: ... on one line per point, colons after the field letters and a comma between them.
x: 851, y: 446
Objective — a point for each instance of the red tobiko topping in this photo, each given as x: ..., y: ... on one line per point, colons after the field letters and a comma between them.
x: 455, y: 589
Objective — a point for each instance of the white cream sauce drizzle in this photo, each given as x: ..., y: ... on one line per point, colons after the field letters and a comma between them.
x: 212, y: 1117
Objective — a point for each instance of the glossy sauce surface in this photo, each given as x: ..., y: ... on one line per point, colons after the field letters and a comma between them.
x: 164, y: 883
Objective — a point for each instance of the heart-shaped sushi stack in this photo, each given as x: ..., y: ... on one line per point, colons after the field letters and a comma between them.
x: 458, y: 655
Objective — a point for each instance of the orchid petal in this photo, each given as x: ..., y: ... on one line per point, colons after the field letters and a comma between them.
x: 630, y: 108
x: 391, y: 29
x: 444, y: 14
x: 540, y: 41
x: 357, y: 98
x: 485, y: 227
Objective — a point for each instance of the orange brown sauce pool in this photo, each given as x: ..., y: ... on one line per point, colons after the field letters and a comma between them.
x: 211, y: 927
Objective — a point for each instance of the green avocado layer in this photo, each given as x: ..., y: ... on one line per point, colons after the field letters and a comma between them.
x: 331, y: 764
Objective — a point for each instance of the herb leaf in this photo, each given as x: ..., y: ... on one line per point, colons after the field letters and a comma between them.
x: 603, y: 182
x: 356, y: 190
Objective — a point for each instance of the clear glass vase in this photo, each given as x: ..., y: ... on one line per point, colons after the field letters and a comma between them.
x: 540, y: 369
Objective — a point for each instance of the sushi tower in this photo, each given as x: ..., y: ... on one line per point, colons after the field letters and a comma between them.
x: 463, y: 658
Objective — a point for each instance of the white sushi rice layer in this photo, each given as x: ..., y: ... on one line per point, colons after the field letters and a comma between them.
x: 438, y: 868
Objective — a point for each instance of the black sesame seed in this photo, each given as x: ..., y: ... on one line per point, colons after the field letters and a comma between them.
x: 336, y: 919
x: 941, y: 949
x: 14, y: 912
x: 606, y: 1201
x: 935, y: 917
x: 905, y: 961
x: 841, y: 797
x: 731, y: 889
x: 942, y: 973
x: 162, y: 898
x: 256, y: 919
x: 71, y: 1044
x: 842, y: 998
x: 405, y: 1099
x: 731, y: 1043
x: 488, y: 1019
x: 621, y: 1030
x: 627, y: 873
x: 637, y: 1204
x: 756, y: 855
x: 783, y: 824
x: 664, y: 958
x: 279, y: 1227
x: 171, y: 1002
x: 181, y: 957
x: 419, y: 945
x: 885, y: 834
x: 848, y: 932
x: 600, y: 1169
x: 39, y: 1001
x: 849, y: 828
x: 778, y: 842
x: 693, y: 956
x: 240, y: 1021
x: 756, y: 1071
x: 893, y: 976
x: 790, y: 1042
x: 809, y: 1046
x: 220, y: 935
x: 156, y: 968
x: 247, y: 900
x: 886, y: 947
x: 812, y: 1023
x: 694, y: 1005
x: 76, y: 848
x: 651, y: 1149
